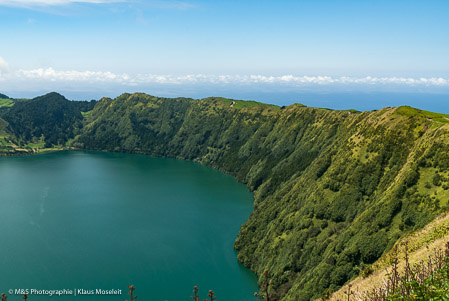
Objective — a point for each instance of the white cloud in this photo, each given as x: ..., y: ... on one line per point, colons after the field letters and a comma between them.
x: 31, y: 3
x: 4, y: 67
x: 51, y: 75
x: 177, y: 5
x: 158, y: 4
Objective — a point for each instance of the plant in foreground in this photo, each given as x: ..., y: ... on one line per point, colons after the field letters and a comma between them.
x: 211, y: 295
x: 3, y: 297
x: 196, y: 297
x: 131, y: 291
x: 425, y: 280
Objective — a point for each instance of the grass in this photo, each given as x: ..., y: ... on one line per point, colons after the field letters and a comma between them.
x: 240, y: 104
x: 86, y: 114
x: 352, y: 111
x: 411, y: 112
x: 39, y: 145
x: 424, y: 280
x: 4, y: 142
x: 426, y: 185
x: 6, y: 103
x: 420, y: 244
x: 5, y: 145
x: 8, y: 147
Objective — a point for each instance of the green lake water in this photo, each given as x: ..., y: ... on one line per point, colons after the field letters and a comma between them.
x: 90, y: 220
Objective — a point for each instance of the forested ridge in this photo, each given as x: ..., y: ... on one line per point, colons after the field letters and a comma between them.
x: 42, y: 122
x: 333, y: 190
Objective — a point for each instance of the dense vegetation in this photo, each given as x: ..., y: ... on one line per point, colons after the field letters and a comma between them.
x: 40, y: 122
x: 424, y: 280
x: 427, y: 280
x: 333, y: 189
x: 413, y: 250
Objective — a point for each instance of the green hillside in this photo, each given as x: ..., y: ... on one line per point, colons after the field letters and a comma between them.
x: 43, y: 122
x: 7, y: 103
x: 333, y: 190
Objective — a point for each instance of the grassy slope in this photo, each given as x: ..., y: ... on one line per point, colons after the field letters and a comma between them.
x: 421, y: 244
x: 410, y: 112
x: 333, y: 190
x: 6, y: 103
x: 86, y: 114
x: 379, y: 220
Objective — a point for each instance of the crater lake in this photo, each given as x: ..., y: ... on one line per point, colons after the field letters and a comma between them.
x: 91, y: 220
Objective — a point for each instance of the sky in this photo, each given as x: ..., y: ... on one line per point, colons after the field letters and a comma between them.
x: 197, y: 48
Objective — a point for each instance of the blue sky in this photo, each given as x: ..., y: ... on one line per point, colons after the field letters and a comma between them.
x: 95, y: 46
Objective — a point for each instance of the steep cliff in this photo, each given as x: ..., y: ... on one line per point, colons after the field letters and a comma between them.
x: 333, y: 189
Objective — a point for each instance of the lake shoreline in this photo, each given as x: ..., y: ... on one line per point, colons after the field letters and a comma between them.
x: 98, y: 169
